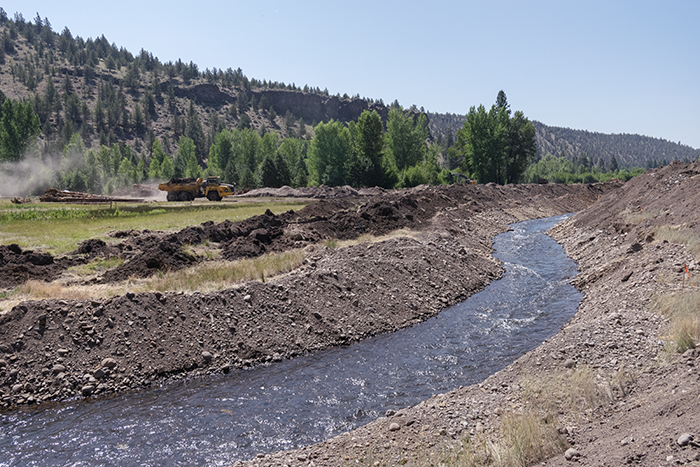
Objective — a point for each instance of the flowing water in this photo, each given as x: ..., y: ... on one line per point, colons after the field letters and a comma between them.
x: 289, y: 404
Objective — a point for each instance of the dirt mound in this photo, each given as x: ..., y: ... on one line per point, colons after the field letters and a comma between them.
x: 343, y: 217
x: 346, y: 214
x: 338, y: 296
x: 318, y: 192
x: 650, y: 415
x: 667, y: 195
x: 18, y: 266
x: 95, y: 247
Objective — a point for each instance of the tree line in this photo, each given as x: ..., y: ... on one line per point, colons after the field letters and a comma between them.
x: 493, y: 146
x: 581, y: 170
x: 359, y: 154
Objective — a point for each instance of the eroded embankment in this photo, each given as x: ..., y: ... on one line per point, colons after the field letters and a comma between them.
x: 59, y: 349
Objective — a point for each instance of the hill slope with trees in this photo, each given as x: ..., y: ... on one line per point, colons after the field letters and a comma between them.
x: 108, y: 118
x: 628, y: 150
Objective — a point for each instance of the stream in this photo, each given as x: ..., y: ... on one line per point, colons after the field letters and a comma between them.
x: 219, y: 420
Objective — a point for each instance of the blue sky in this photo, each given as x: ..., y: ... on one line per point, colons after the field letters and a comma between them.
x: 605, y: 66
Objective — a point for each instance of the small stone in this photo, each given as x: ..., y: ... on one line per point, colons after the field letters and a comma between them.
x: 206, y: 356
x: 87, y: 389
x: 571, y: 454
x: 99, y: 374
x: 685, y: 439
x: 109, y: 363
x: 569, y: 363
x: 3, y: 363
x: 63, y: 352
x: 394, y: 427
x: 58, y: 368
x: 247, y: 298
x: 17, y: 388
x: 390, y: 413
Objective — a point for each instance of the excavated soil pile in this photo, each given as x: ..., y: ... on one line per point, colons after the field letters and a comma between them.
x: 59, y: 349
x: 18, y: 266
x: 344, y: 217
x: 648, y: 412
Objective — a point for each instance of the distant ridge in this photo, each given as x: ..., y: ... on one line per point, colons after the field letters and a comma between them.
x: 629, y: 150
x: 110, y: 96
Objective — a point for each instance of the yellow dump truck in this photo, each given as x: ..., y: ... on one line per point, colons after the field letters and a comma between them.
x: 187, y: 189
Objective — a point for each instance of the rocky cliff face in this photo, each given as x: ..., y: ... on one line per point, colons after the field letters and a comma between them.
x: 316, y: 108
x: 203, y: 94
x: 311, y: 107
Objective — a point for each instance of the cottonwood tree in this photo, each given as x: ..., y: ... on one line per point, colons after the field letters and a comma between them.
x: 328, y: 153
x: 364, y: 167
x: 405, y: 138
x: 493, y: 146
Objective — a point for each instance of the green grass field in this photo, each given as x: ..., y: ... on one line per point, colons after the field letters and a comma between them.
x: 59, y: 228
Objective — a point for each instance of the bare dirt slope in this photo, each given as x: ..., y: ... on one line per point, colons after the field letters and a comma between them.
x: 651, y: 415
x: 59, y: 349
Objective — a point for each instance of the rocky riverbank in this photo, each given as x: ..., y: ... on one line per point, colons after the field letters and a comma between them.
x: 52, y: 350
x: 647, y: 410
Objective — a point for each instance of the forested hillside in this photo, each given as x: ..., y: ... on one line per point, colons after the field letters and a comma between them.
x: 108, y: 118
x: 108, y: 95
x: 629, y: 150
x: 87, y: 115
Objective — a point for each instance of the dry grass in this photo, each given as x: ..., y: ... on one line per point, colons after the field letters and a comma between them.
x: 206, y: 277
x: 39, y: 290
x: 683, y: 310
x: 522, y: 439
x: 679, y: 235
x: 574, y: 395
x: 636, y: 216
x: 529, y: 438
x: 531, y: 434
x: 209, y: 276
x: 218, y: 275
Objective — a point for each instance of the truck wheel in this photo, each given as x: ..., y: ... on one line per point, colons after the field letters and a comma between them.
x: 184, y: 196
x: 213, y: 196
x: 172, y: 196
